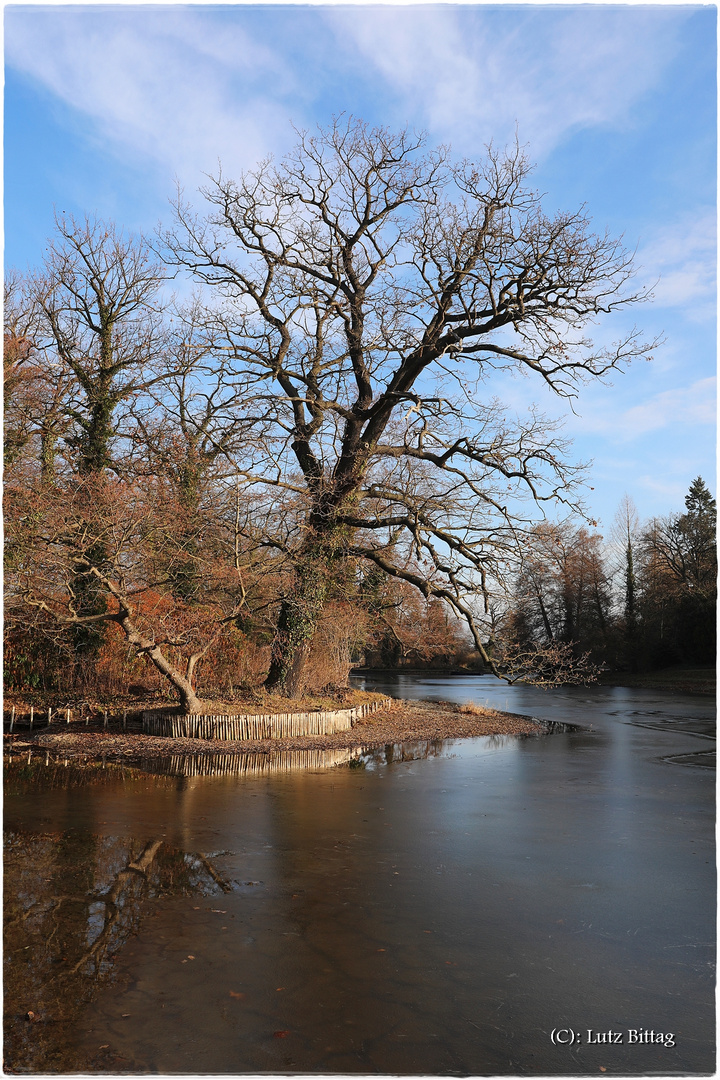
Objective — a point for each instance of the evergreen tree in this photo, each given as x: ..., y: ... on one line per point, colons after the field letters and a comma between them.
x: 679, y: 583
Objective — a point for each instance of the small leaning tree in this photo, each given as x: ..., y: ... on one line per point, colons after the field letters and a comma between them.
x: 368, y: 291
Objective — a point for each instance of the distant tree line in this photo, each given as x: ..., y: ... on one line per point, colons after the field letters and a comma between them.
x: 644, y: 600
x: 303, y: 465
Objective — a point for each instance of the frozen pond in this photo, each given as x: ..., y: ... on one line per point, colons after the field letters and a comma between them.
x: 441, y: 909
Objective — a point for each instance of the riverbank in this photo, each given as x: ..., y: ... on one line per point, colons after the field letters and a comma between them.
x: 674, y: 680
x: 402, y: 722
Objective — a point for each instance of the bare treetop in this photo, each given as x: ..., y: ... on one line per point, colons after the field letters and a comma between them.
x: 368, y: 289
x: 99, y: 319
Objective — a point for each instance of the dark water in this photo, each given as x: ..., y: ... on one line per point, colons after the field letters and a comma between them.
x: 435, y: 908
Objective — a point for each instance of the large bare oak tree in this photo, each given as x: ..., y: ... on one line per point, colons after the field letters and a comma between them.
x: 369, y: 289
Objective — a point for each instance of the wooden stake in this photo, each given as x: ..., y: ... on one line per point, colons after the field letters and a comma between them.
x: 105, y: 718
x: 12, y: 718
x: 49, y: 715
x: 67, y: 719
x: 124, y: 719
x: 32, y: 712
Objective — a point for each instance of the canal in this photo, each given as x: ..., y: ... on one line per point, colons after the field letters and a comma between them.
x: 490, y: 906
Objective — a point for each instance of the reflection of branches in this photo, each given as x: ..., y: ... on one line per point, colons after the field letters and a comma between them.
x: 72, y: 904
x: 111, y: 900
x: 217, y: 878
x: 410, y: 750
x: 23, y: 915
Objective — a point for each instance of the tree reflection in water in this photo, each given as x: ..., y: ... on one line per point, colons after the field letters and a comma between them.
x: 419, y: 750
x: 72, y: 900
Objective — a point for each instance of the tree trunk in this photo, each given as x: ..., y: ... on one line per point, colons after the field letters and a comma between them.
x: 94, y: 443
x: 185, y: 579
x: 544, y: 614
x: 631, y: 628
x: 298, y: 620
x: 94, y: 458
x: 90, y: 600
x: 189, y: 702
x: 48, y: 453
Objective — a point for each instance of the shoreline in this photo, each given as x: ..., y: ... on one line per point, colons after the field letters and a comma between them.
x: 404, y: 721
x: 673, y: 680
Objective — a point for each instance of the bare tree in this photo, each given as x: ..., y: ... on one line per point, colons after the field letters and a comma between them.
x: 685, y: 543
x: 189, y: 428
x: 562, y: 595
x: 53, y: 539
x: 35, y: 389
x: 98, y: 342
x: 100, y: 320
x: 370, y: 290
x: 678, y: 582
x: 116, y: 537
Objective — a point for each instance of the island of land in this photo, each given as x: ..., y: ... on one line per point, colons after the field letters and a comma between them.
x: 402, y: 721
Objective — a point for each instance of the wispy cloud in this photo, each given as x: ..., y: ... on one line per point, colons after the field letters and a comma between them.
x: 681, y: 257
x: 163, y: 84
x: 691, y: 405
x: 671, y: 491
x: 474, y: 73
x: 182, y: 85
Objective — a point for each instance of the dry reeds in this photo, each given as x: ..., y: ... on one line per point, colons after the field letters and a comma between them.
x: 471, y: 708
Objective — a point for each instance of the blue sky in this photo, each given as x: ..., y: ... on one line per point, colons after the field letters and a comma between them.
x: 107, y: 106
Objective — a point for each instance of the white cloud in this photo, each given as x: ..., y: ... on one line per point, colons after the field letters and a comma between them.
x: 181, y: 85
x: 672, y: 492
x: 681, y: 257
x: 159, y: 84
x: 475, y: 72
x: 692, y: 405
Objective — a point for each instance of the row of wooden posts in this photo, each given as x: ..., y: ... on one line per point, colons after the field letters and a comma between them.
x: 36, y: 717
x: 245, y: 726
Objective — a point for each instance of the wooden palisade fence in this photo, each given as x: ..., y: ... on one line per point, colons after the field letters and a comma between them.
x: 261, y: 726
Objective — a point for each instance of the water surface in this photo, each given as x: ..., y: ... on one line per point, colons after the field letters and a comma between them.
x: 435, y: 908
